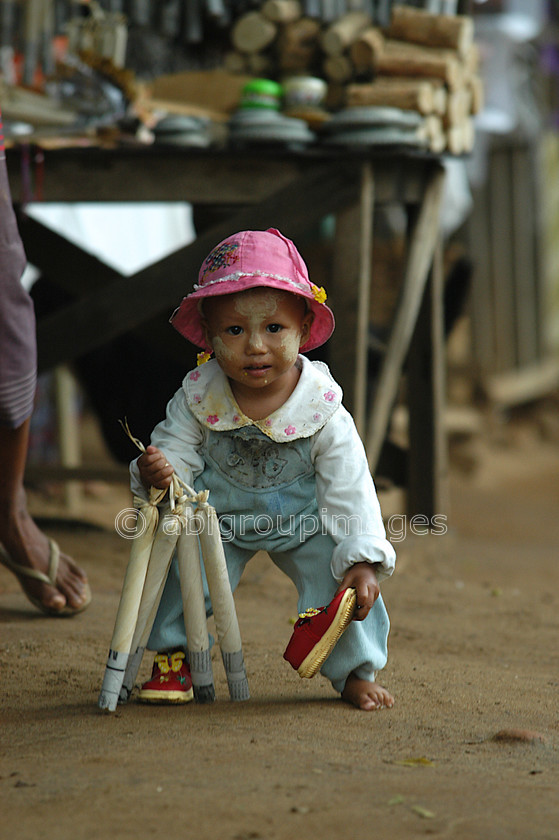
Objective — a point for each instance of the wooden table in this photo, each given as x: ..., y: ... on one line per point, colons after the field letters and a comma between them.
x: 288, y: 190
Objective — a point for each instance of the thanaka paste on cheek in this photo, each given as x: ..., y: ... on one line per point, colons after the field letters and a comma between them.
x: 221, y: 350
x: 289, y: 344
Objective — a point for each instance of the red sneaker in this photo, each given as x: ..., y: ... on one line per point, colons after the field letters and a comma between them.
x: 317, y: 631
x: 170, y: 680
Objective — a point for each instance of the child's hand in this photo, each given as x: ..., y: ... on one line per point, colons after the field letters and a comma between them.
x: 362, y: 577
x: 155, y: 471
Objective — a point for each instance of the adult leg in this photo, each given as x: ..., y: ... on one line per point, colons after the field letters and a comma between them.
x: 25, y: 547
x: 51, y: 581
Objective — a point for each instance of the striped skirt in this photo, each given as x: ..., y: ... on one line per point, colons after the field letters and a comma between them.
x: 18, y: 347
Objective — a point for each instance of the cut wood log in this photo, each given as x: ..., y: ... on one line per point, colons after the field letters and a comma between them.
x: 469, y: 61
x: 365, y: 48
x: 472, y: 59
x: 298, y: 45
x: 421, y: 27
x: 434, y: 133
x: 469, y: 130
x: 253, y: 32
x: 343, y: 32
x: 396, y: 60
x: 475, y: 85
x: 411, y: 95
x: 460, y: 137
x: 433, y: 102
x: 439, y: 90
x: 338, y: 68
x: 455, y: 140
x: 458, y: 107
x: 282, y: 11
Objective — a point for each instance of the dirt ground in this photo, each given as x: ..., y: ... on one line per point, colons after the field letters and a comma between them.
x: 473, y: 651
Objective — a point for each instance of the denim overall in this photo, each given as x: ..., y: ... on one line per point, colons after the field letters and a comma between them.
x: 264, y: 494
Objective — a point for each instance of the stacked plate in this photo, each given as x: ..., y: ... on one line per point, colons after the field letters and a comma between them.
x: 265, y: 126
x: 183, y: 130
x: 374, y: 126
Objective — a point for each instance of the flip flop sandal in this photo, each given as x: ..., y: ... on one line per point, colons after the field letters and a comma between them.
x: 24, y: 572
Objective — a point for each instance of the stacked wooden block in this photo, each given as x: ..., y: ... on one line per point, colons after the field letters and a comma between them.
x: 276, y: 40
x: 421, y: 61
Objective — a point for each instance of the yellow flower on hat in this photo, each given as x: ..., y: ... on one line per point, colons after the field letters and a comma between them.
x: 319, y: 294
x: 203, y: 357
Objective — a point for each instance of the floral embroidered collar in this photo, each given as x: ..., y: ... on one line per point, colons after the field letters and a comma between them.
x: 315, y: 399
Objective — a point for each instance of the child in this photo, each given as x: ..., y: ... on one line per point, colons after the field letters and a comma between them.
x: 264, y: 430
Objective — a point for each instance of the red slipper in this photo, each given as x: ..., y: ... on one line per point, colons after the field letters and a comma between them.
x: 170, y: 680
x: 317, y: 631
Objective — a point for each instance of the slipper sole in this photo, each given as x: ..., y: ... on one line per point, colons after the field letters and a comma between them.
x: 323, y: 648
x: 162, y: 698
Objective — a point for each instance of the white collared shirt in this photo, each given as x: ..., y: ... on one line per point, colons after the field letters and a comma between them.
x: 347, y: 501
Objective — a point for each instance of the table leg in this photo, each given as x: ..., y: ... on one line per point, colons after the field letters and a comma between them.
x: 422, y: 245
x: 349, y: 294
x: 428, y: 463
x: 366, y: 208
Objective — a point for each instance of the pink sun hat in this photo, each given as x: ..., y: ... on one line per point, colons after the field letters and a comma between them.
x: 243, y: 261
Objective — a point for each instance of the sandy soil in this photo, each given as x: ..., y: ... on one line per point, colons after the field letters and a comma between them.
x: 473, y: 651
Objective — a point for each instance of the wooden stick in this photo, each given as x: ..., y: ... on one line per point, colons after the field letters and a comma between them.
x: 366, y: 213
x: 226, y: 622
x: 127, y: 614
x: 164, y: 544
x: 195, y: 613
x: 421, y: 250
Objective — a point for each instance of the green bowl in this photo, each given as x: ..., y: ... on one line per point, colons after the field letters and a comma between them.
x: 262, y: 93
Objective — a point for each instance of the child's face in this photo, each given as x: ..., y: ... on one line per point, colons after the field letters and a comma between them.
x: 256, y: 334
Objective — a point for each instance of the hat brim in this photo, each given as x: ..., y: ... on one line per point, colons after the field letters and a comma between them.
x: 186, y: 319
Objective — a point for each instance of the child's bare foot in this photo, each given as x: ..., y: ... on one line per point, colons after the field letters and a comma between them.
x: 366, y: 695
